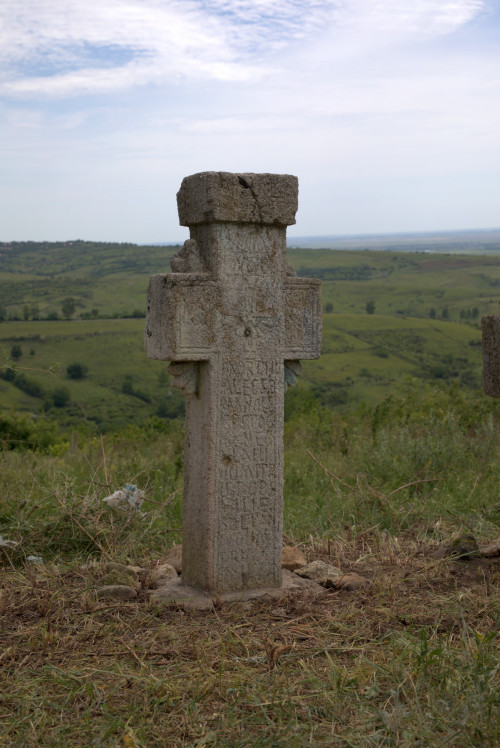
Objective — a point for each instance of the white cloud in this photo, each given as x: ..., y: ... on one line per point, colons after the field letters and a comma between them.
x: 54, y: 48
x: 425, y: 18
x: 367, y: 101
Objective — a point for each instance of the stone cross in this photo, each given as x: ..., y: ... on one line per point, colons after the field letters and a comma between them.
x: 234, y: 322
x: 491, y: 354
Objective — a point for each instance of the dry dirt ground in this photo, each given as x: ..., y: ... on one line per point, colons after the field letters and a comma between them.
x: 345, y: 668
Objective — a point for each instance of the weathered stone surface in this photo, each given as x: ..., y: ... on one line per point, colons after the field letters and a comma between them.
x: 162, y: 573
x: 490, y: 551
x: 116, y: 592
x: 463, y: 547
x: 294, y: 583
x: 122, y: 568
x: 174, y: 591
x: 174, y: 557
x: 320, y: 572
x: 348, y: 582
x: 117, y: 574
x: 491, y: 354
x: 292, y: 558
x: 229, y: 322
x: 140, y: 571
x: 223, y: 197
x: 116, y: 578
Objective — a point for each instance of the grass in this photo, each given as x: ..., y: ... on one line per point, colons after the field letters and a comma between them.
x: 365, y: 356
x: 414, y: 660
x: 389, y: 452
x: 411, y: 661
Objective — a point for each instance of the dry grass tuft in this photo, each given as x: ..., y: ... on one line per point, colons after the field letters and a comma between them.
x: 411, y: 661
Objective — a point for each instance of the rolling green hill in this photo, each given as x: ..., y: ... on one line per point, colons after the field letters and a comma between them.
x: 423, y: 323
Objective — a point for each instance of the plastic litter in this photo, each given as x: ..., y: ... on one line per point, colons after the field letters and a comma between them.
x: 129, y: 497
x: 34, y: 559
x: 4, y: 543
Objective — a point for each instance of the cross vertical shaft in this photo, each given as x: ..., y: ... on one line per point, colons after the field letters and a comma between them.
x: 228, y: 318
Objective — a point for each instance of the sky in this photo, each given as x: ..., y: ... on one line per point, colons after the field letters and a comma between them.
x: 388, y: 112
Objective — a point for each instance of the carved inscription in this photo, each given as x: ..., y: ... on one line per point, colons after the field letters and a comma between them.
x: 251, y: 463
x: 254, y: 254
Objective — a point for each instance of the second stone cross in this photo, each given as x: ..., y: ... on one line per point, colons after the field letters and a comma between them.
x: 234, y: 321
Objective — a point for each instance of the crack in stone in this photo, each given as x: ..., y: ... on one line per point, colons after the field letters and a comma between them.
x: 247, y: 185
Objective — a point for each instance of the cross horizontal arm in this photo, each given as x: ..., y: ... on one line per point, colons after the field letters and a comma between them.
x: 180, y: 317
x: 302, y: 318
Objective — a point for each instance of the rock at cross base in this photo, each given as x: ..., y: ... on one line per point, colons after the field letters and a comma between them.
x: 174, y: 557
x: 490, y: 551
x: 162, y: 574
x: 292, y: 558
x: 116, y: 592
x: 229, y: 318
x: 332, y: 577
x: 320, y: 571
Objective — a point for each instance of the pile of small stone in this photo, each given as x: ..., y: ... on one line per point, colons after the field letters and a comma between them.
x: 122, y: 582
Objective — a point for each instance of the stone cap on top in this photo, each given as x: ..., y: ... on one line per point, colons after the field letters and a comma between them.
x: 221, y: 196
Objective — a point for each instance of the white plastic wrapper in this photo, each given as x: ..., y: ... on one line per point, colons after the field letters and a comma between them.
x: 129, y: 497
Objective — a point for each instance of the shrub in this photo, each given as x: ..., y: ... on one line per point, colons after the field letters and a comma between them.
x: 68, y: 307
x: 76, y: 370
x: 16, y: 352
x: 61, y: 397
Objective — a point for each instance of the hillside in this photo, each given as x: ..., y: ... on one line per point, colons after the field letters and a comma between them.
x: 388, y: 317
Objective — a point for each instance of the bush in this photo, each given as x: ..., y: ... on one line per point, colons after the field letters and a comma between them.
x: 16, y: 352
x: 22, y: 433
x: 61, y: 397
x: 68, y: 307
x: 76, y: 371
x: 22, y: 382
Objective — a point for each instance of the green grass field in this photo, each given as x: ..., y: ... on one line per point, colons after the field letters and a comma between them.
x: 413, y: 660
x: 425, y: 325
x: 391, y: 450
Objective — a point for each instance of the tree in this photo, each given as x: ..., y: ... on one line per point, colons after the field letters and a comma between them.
x: 328, y: 307
x: 35, y: 312
x: 16, y: 352
x: 26, y: 312
x: 432, y: 312
x: 445, y: 313
x: 68, y: 307
x: 370, y: 307
x: 76, y: 371
x: 60, y: 397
